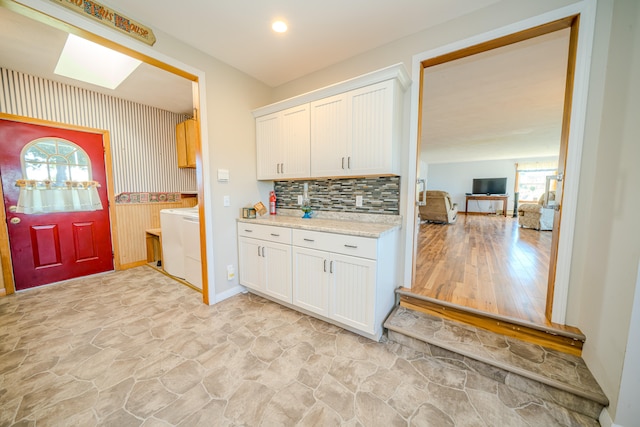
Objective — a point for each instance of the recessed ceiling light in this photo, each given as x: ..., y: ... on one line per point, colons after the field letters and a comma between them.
x: 93, y: 63
x: 279, y: 26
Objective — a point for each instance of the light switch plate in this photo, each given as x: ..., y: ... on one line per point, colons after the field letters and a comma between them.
x: 226, y: 201
x: 223, y: 175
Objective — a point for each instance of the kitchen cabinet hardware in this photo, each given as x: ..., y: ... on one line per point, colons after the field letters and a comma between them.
x: 308, y: 240
x: 248, y: 231
x: 325, y: 265
x: 351, y: 246
x: 331, y: 267
x: 263, y: 252
x: 275, y: 235
x: 258, y: 250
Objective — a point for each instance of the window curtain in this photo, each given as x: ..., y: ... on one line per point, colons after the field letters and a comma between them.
x: 47, y: 197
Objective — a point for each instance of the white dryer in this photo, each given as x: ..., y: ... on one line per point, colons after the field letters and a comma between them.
x: 181, y: 244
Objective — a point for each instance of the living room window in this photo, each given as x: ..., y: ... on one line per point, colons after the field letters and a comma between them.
x: 531, y: 178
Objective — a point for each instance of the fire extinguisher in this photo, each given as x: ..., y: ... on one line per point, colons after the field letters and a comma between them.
x: 272, y: 203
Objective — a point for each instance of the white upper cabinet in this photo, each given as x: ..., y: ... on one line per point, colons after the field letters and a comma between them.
x: 357, y: 133
x: 282, y: 144
x: 329, y: 133
x: 352, y: 128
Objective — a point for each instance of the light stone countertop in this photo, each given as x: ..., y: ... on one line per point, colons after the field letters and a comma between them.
x: 364, y: 225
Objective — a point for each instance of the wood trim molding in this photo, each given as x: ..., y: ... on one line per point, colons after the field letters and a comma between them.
x: 570, y: 343
x: 5, y: 249
x: 571, y: 22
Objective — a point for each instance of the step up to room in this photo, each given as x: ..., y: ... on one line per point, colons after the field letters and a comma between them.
x: 553, y: 376
x: 550, y: 335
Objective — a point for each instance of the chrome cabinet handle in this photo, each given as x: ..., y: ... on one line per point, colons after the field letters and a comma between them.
x: 281, y: 167
x: 343, y: 163
x: 308, y: 240
x: 351, y: 246
x: 349, y: 162
x: 325, y: 265
x: 258, y: 250
x: 331, y: 267
x: 248, y: 231
x: 263, y: 252
x: 275, y: 235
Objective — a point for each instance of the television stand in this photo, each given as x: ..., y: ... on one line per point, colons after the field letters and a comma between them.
x: 503, y: 197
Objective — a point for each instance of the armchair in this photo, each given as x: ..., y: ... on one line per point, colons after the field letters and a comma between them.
x: 438, y: 207
x: 534, y: 215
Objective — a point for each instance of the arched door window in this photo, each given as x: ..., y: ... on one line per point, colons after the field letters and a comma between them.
x: 55, y: 160
x: 56, y: 178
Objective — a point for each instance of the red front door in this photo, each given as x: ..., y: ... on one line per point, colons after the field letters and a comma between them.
x: 54, y: 246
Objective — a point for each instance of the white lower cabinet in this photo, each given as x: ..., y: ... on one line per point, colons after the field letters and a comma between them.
x: 265, y: 265
x: 347, y: 280
x: 352, y: 291
x: 310, y: 280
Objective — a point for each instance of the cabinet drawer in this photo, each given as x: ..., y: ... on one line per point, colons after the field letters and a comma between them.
x: 364, y: 247
x: 265, y: 232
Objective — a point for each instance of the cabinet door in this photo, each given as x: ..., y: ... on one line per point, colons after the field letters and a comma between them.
x: 186, y: 141
x: 268, y: 146
x: 311, y: 280
x: 329, y: 137
x: 295, y: 143
x: 277, y: 277
x: 370, y: 121
x: 251, y: 262
x: 352, y: 291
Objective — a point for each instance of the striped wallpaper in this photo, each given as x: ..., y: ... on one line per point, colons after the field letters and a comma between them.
x: 143, y: 144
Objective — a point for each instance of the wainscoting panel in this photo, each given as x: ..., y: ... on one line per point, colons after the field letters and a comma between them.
x: 133, y: 220
x: 143, y: 143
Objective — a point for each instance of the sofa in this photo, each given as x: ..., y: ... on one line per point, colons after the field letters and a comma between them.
x: 534, y: 215
x: 438, y: 207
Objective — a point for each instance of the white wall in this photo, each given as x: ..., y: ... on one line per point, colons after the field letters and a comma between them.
x: 606, y: 244
x: 457, y: 179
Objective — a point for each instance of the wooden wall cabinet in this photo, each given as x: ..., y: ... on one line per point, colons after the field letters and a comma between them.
x: 187, y: 142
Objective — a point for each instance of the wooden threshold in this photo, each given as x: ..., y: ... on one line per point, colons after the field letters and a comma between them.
x: 562, y: 338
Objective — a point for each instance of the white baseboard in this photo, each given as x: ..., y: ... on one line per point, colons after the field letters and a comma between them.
x: 229, y: 293
x: 605, y: 419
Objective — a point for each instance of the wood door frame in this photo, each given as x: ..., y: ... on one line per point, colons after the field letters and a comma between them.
x: 78, y: 25
x: 582, y: 37
x: 5, y: 247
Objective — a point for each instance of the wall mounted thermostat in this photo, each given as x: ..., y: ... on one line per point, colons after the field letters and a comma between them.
x: 223, y: 175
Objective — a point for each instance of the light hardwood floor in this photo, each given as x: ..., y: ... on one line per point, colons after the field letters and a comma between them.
x: 487, y: 263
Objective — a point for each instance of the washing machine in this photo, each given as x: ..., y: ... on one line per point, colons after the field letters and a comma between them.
x: 181, y: 244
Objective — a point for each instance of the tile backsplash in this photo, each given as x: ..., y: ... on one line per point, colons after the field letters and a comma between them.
x: 379, y: 195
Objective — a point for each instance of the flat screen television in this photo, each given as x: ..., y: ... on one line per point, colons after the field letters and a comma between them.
x: 490, y: 186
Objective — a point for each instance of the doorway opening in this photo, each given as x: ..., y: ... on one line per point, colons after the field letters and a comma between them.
x: 13, y: 11
x: 487, y: 260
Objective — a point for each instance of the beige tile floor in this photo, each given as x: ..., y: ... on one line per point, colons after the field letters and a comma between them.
x: 136, y: 348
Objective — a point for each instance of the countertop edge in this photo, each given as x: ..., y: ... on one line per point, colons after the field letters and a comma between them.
x: 329, y: 226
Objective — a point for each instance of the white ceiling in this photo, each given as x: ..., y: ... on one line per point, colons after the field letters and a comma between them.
x: 506, y: 103
x: 321, y: 34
